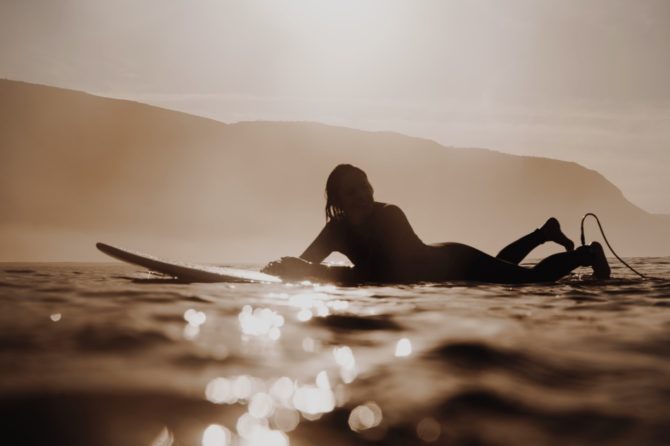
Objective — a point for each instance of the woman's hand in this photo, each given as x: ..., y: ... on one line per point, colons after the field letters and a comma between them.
x: 289, y: 268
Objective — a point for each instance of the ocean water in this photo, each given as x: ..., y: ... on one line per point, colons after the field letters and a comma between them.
x: 104, y: 354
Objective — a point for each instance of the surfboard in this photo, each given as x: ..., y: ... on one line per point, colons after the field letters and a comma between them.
x: 187, y: 272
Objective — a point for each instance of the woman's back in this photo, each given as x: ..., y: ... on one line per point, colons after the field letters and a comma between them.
x: 382, y: 248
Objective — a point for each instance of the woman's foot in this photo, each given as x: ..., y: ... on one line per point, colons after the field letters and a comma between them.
x: 601, y: 269
x: 551, y: 232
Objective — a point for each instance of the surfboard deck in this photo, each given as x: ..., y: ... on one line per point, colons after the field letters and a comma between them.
x: 187, y: 272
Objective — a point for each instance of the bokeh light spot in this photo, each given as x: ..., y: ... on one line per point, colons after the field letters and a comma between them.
x: 344, y: 357
x: 428, y: 430
x: 194, y: 317
x: 282, y: 390
x: 261, y: 405
x: 164, y: 438
x: 260, y: 322
x: 216, y: 435
x: 219, y: 391
x: 365, y: 416
x: 285, y: 419
x: 403, y: 348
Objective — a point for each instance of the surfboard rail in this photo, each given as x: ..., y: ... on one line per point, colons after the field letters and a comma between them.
x: 185, y: 271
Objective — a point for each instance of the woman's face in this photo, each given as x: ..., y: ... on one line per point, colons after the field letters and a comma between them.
x: 356, y: 197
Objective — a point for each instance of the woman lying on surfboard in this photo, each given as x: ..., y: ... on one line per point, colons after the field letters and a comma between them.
x: 383, y: 247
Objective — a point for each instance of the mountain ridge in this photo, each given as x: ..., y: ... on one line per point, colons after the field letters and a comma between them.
x: 83, y: 167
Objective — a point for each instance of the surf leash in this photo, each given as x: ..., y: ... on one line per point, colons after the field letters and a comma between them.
x: 602, y: 232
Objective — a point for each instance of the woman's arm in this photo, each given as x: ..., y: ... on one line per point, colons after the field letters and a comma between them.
x: 294, y: 268
x: 308, y: 265
x: 321, y: 247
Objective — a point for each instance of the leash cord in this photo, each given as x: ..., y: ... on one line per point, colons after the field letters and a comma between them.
x: 602, y: 232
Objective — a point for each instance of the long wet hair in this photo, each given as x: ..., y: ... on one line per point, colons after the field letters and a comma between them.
x: 333, y: 185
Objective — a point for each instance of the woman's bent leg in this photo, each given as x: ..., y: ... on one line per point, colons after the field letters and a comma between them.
x: 493, y: 270
x: 516, y: 251
x: 559, y: 265
x: 456, y: 261
x: 463, y: 262
x: 550, y: 269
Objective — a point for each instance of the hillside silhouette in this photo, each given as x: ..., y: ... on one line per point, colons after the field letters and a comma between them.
x: 77, y: 168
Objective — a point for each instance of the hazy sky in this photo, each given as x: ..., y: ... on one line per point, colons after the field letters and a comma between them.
x: 581, y: 80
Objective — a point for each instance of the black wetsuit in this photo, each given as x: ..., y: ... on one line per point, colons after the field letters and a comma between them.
x: 382, y: 248
x: 385, y: 249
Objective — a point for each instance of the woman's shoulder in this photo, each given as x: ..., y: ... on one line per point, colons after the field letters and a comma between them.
x: 388, y: 208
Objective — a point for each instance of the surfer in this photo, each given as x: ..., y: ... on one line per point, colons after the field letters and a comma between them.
x: 383, y: 247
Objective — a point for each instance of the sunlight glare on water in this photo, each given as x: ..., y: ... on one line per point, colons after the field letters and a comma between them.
x: 304, y: 315
x: 365, y: 416
x: 344, y: 357
x: 245, y: 386
x: 255, y: 432
x: 195, y: 319
x: 322, y: 380
x: 316, y: 399
x: 403, y: 348
x: 282, y: 390
x: 310, y: 304
x: 220, y: 391
x: 261, y: 322
x: 164, y: 438
x: 261, y: 405
x: 216, y: 435
x: 286, y: 419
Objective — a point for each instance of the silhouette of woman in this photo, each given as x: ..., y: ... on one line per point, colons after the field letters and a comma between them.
x: 383, y: 247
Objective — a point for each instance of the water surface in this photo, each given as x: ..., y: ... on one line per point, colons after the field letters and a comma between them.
x: 105, y: 354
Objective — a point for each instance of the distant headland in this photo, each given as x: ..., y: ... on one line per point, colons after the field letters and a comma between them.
x: 76, y: 168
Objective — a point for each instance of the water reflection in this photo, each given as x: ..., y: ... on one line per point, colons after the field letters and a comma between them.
x: 216, y: 435
x: 191, y: 332
x: 244, y: 387
x: 164, y: 438
x: 319, y: 301
x: 220, y: 391
x: 256, y: 432
x: 428, y: 430
x: 195, y: 319
x: 344, y: 357
x: 310, y: 304
x: 403, y: 348
x: 304, y: 315
x: 232, y: 390
x: 282, y: 391
x: 365, y: 416
x: 261, y: 405
x: 260, y: 322
x: 316, y: 399
x: 275, y: 406
x: 285, y: 419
